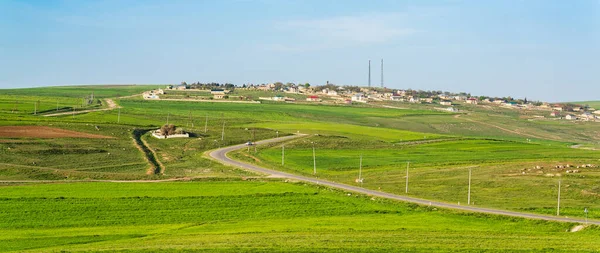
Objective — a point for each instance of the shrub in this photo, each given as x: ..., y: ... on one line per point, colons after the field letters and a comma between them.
x: 167, y: 130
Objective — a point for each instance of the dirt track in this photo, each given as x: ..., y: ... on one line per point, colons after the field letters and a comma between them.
x: 44, y: 132
x: 111, y: 105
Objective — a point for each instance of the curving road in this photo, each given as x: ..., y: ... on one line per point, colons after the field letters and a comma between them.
x: 221, y: 156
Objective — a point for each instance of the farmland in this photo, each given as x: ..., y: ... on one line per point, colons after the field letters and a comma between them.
x: 250, y: 216
x: 512, y: 157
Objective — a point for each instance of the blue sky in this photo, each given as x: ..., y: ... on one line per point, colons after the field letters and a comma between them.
x: 546, y: 50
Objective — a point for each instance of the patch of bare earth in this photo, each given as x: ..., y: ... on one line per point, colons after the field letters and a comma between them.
x: 44, y: 132
x: 253, y: 157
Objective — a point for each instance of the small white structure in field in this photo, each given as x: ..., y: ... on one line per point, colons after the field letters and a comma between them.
x: 174, y: 132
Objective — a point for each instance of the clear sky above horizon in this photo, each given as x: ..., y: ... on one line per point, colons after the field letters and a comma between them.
x: 542, y: 50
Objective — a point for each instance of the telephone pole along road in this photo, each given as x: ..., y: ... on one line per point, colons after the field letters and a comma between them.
x: 221, y: 156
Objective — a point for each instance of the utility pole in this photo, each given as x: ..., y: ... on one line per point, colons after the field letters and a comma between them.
x: 189, y: 118
x: 558, y: 205
x: 407, y: 165
x: 119, y: 116
x: 34, y: 108
x: 223, y: 132
x: 314, y: 160
x: 282, y: 154
x: 360, y: 179
x: 168, y: 114
x: 206, y: 124
x: 277, y: 133
x: 469, y: 194
x: 586, y: 212
x: 16, y: 106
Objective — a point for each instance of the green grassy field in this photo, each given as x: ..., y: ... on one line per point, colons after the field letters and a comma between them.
x: 220, y: 213
x: 504, y: 173
x: 254, y: 216
x: 99, y: 91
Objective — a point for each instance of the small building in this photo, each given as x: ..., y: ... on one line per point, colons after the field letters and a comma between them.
x: 150, y: 96
x: 218, y: 96
x: 313, y: 99
x: 292, y: 90
x: 181, y: 87
x: 587, y: 116
x: 557, y: 108
x: 426, y: 100
x: 359, y: 97
x: 555, y: 114
x: 332, y: 93
x: 451, y: 109
x: 397, y: 98
x: 571, y: 117
x: 597, y: 112
x: 278, y: 98
x: 472, y: 101
x: 446, y: 102
x: 577, y: 109
x: 217, y: 92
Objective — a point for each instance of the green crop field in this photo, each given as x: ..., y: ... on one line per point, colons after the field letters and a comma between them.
x: 504, y: 171
x: 99, y: 91
x: 513, y: 156
x: 254, y: 216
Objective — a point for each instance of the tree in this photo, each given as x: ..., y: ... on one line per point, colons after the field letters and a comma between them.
x: 278, y: 85
x: 167, y: 130
x: 307, y: 85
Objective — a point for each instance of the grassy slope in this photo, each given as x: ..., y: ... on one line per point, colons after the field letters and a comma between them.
x: 593, y: 104
x: 254, y: 216
x: 504, y: 176
x: 99, y: 91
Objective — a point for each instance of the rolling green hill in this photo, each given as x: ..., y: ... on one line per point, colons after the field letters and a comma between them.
x: 513, y: 155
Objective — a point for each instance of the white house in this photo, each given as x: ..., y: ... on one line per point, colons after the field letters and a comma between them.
x: 571, y: 117
x: 359, y: 97
x: 446, y: 102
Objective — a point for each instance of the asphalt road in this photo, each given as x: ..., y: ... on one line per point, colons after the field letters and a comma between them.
x: 221, y: 156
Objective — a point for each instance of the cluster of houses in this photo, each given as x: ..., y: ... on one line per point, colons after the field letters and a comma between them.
x: 576, y: 113
x: 347, y: 94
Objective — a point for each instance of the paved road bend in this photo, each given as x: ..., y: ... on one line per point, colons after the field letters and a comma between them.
x: 221, y: 156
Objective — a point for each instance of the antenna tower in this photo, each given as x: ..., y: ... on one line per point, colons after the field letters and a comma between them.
x: 381, y: 73
x: 369, y: 73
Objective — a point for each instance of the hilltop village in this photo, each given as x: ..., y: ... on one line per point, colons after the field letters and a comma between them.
x: 335, y: 94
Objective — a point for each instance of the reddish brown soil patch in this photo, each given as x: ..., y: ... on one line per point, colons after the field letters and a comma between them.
x: 44, y: 132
